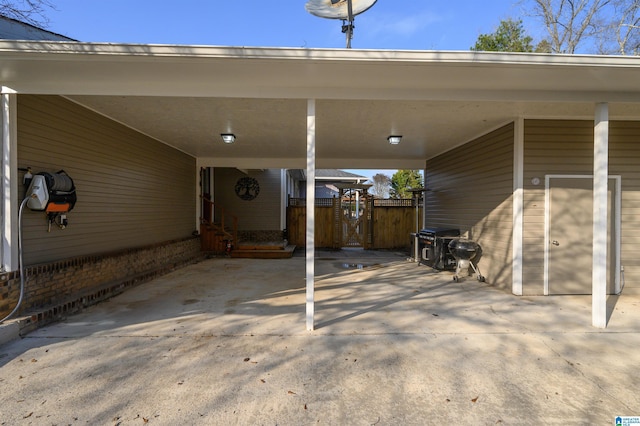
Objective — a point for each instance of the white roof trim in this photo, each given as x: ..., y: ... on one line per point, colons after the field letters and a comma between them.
x: 37, y: 48
x: 155, y: 70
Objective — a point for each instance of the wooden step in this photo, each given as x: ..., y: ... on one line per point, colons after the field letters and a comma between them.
x: 263, y: 252
x: 246, y: 247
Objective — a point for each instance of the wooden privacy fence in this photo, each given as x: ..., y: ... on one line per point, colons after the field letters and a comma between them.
x: 389, y: 227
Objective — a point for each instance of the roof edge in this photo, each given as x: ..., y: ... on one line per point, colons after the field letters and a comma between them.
x: 31, y: 48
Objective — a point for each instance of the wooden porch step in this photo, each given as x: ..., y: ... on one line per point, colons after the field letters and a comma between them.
x: 263, y: 252
x: 247, y: 247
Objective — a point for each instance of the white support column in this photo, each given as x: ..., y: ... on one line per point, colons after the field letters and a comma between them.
x: 9, y: 195
x: 518, y: 207
x: 424, y: 200
x: 311, y: 202
x: 198, y: 194
x: 283, y: 199
x: 600, y: 246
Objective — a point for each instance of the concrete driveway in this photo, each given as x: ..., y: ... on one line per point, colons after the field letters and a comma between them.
x: 224, y: 342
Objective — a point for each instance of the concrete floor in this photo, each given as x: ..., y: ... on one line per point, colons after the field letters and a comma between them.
x: 224, y: 342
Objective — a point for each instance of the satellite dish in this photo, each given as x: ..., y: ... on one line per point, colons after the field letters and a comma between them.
x: 340, y: 9
x: 337, y: 9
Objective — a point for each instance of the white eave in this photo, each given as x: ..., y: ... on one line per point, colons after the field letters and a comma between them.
x: 98, y: 68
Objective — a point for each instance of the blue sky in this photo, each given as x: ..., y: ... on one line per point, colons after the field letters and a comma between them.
x: 389, y: 24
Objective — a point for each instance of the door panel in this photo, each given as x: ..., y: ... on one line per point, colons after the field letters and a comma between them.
x: 571, y: 235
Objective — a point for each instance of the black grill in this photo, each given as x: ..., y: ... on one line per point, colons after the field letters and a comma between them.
x: 465, y: 252
x: 433, y: 247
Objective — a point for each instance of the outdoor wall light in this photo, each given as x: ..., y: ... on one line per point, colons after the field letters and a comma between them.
x: 394, y: 140
x: 228, y: 137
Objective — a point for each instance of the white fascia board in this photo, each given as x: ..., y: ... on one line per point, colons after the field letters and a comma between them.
x: 371, y: 163
x: 34, y: 49
x: 340, y: 178
x: 254, y: 163
x: 322, y: 163
x: 97, y: 68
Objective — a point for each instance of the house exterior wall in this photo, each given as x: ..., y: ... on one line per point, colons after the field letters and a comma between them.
x: 624, y: 158
x: 260, y: 215
x: 132, y: 190
x: 566, y: 147
x: 132, y: 222
x: 470, y: 188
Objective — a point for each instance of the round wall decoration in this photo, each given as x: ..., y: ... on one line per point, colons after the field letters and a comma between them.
x: 247, y: 188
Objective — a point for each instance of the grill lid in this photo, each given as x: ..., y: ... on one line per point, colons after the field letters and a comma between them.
x: 440, y: 232
x: 464, y: 249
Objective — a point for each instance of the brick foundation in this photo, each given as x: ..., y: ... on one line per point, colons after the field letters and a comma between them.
x: 57, y: 289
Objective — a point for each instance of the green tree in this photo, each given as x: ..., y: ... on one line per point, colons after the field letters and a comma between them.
x: 404, y: 180
x: 544, y: 47
x: 509, y: 37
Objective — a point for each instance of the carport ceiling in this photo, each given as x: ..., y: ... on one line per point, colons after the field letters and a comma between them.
x: 185, y: 96
x: 350, y: 133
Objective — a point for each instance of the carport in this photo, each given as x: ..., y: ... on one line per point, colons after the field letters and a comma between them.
x: 317, y: 108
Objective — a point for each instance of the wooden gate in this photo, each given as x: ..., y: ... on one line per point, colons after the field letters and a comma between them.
x: 381, y: 224
x: 353, y: 222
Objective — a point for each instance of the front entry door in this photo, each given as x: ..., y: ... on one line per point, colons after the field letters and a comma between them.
x: 570, y: 235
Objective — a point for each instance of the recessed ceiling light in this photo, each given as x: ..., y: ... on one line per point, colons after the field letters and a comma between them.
x: 394, y: 139
x: 228, y: 137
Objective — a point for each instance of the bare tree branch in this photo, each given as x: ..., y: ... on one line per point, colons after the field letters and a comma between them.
x: 30, y: 11
x: 570, y: 22
x: 628, y: 28
x: 381, y: 185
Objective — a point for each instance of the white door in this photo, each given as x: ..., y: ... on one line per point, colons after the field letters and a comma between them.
x: 569, y: 251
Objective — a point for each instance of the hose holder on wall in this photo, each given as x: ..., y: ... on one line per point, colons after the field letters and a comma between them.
x: 53, y: 193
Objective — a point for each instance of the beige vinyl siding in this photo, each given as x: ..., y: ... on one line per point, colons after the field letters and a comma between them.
x: 470, y: 188
x: 550, y: 147
x: 132, y: 190
x: 566, y: 147
x: 260, y: 214
x: 624, y: 160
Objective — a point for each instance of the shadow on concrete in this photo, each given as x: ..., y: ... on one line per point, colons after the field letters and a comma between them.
x: 224, y: 342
